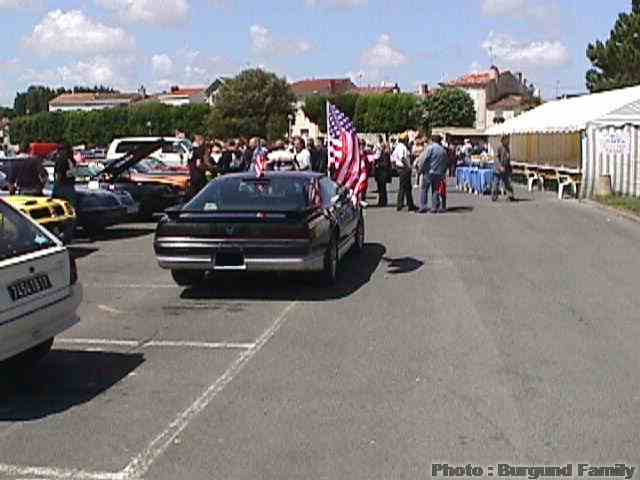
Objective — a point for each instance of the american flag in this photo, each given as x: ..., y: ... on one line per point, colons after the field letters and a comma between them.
x: 261, y: 162
x: 345, y: 160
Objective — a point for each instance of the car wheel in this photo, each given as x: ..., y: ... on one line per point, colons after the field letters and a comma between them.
x: 187, y: 278
x: 330, y: 271
x: 358, y: 246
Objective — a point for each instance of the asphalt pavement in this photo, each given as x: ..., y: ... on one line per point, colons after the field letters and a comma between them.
x: 498, y: 332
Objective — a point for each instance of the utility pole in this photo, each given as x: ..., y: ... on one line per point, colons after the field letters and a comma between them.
x: 558, y: 89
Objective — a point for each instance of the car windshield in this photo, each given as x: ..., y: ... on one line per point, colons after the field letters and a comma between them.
x: 250, y: 194
x: 132, y: 146
x: 18, y: 236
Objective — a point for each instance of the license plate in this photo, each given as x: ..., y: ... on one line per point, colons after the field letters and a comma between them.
x: 28, y: 287
x: 133, y: 209
x: 229, y: 259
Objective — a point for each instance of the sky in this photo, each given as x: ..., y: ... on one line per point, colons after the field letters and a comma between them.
x: 160, y: 43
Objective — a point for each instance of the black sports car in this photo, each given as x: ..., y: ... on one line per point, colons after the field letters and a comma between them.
x: 283, y: 221
x: 152, y: 196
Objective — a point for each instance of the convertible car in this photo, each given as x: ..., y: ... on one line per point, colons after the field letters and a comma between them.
x: 293, y: 221
x: 153, y: 195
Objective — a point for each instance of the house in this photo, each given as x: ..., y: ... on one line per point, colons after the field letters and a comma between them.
x: 303, y: 126
x: 71, y: 102
x: 497, y: 96
x: 178, y: 96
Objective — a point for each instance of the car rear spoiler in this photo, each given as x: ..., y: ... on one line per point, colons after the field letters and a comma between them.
x: 176, y: 212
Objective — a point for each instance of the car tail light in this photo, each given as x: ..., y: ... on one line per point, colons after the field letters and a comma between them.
x: 73, y: 270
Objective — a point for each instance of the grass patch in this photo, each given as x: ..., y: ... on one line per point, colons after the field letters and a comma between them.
x: 629, y: 204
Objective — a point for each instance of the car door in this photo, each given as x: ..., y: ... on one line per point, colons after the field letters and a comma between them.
x: 341, y: 208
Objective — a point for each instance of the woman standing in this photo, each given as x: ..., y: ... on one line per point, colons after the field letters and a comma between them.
x: 64, y: 176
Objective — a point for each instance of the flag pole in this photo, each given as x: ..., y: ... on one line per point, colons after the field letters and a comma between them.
x: 328, y: 141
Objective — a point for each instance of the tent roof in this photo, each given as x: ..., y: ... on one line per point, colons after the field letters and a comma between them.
x: 573, y: 114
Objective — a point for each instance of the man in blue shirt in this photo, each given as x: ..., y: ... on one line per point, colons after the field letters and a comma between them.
x: 435, y: 167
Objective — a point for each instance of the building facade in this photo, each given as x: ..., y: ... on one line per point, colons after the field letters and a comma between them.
x: 497, y: 96
x: 178, y: 97
x: 85, y: 102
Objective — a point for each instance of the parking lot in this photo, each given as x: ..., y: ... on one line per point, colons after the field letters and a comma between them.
x: 481, y: 335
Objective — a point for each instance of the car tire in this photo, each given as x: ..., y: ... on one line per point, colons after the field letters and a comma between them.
x: 358, y: 245
x: 329, y: 274
x: 188, y: 278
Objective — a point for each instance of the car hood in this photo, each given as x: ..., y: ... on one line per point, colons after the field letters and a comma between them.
x: 121, y: 165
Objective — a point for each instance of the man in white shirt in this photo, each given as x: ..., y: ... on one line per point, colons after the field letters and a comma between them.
x: 401, y: 159
x: 303, y: 156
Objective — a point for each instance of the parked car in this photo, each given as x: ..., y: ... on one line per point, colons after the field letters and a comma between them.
x: 56, y: 215
x: 147, y: 170
x: 173, y: 151
x: 153, y: 195
x: 291, y: 221
x: 39, y: 291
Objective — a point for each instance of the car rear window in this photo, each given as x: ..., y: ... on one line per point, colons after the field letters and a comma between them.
x: 18, y: 236
x: 243, y: 194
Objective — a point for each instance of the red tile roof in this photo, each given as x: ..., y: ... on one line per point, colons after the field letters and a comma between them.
x: 327, y: 86
x: 186, y: 92
x: 477, y: 80
x: 375, y: 90
x: 87, y: 98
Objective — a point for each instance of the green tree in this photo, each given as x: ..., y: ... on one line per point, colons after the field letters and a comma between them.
x: 6, y: 112
x: 254, y: 103
x: 315, y: 107
x: 448, y: 107
x: 616, y: 61
x: 389, y: 113
x: 35, y: 100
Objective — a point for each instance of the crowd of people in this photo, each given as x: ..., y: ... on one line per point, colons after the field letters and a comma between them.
x: 427, y: 160
x: 214, y: 157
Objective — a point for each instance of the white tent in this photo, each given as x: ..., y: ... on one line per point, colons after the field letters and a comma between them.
x: 597, y: 134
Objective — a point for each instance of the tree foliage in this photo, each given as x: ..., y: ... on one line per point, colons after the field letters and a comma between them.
x: 616, y: 61
x: 100, y: 127
x: 315, y: 107
x: 37, y: 97
x: 6, y: 112
x: 448, y: 107
x: 254, y: 103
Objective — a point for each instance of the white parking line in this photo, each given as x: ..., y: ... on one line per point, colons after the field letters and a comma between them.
x: 141, y: 464
x: 155, y: 343
x: 14, y: 471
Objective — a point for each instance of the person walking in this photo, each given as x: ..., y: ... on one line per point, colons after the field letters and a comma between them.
x: 503, y: 170
x: 64, y: 179
x: 401, y: 158
x: 438, y: 162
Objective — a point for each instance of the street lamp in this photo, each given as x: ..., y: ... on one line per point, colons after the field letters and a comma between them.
x: 149, y: 127
x: 290, y: 124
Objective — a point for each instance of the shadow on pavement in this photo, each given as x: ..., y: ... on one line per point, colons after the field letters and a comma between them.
x: 62, y: 380
x: 459, y: 209
x: 355, y: 272
x: 78, y: 252
x: 396, y: 266
x: 114, y: 233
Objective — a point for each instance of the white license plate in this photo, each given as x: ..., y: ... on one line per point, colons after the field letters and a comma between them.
x: 28, y: 287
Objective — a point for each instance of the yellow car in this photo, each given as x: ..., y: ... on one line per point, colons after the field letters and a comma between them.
x: 56, y: 215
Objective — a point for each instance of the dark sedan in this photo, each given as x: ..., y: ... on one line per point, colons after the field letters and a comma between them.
x: 289, y: 221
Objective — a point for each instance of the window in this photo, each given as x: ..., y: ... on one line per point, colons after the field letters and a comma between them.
x: 253, y: 194
x: 18, y: 236
x: 329, y: 190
